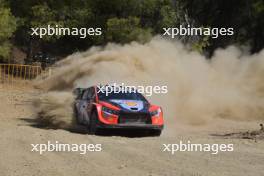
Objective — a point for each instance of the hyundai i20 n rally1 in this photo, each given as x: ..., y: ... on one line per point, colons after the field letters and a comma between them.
x: 123, y: 110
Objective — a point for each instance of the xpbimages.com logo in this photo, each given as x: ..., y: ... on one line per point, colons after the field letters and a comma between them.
x: 122, y: 88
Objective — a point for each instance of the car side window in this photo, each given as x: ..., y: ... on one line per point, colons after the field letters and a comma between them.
x: 85, y: 95
x: 79, y: 95
x: 92, y: 93
x: 78, y: 92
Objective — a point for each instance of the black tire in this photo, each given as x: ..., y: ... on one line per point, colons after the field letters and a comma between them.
x: 92, y: 127
x: 155, y: 132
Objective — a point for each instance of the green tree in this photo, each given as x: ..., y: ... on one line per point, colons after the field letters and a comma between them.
x: 123, y: 21
x: 7, y: 28
x: 168, y: 18
x: 124, y: 30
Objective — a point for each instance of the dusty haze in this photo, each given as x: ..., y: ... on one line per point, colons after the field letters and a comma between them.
x: 230, y: 85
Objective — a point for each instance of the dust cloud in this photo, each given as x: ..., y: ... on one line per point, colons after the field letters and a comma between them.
x: 230, y: 85
x: 54, y: 110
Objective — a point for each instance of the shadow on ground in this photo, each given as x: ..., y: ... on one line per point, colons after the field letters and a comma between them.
x: 80, y: 129
x: 36, y: 123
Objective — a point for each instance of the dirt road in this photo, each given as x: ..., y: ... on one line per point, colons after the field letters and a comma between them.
x: 120, y: 155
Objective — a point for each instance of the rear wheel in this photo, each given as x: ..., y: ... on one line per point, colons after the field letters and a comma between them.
x: 92, y: 127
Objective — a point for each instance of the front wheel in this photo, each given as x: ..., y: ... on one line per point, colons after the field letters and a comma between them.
x: 92, y: 127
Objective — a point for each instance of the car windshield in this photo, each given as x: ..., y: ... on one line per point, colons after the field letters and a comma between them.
x: 121, y: 96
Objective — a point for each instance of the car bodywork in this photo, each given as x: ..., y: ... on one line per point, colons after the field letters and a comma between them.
x: 116, y: 110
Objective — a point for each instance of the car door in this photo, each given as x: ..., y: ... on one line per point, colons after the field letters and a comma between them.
x: 78, y: 92
x: 90, y: 101
x: 83, y: 104
x: 87, y: 104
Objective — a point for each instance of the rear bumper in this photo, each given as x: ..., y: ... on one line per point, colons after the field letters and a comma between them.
x: 131, y: 126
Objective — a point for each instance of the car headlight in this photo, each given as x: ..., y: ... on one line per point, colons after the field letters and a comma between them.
x: 156, y: 112
x: 109, y: 111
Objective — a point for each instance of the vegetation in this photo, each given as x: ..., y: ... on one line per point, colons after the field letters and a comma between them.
x: 7, y: 28
x: 123, y: 21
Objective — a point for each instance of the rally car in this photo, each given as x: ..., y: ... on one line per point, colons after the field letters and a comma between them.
x: 124, y: 110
